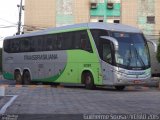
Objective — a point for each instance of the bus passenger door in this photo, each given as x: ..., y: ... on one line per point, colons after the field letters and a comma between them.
x: 107, y: 61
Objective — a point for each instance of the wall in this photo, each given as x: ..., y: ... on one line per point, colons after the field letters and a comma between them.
x: 157, y: 14
x: 146, y: 8
x: 39, y: 14
x: 129, y: 12
x: 102, y: 12
x: 64, y: 12
x: 99, y: 11
x: 81, y: 11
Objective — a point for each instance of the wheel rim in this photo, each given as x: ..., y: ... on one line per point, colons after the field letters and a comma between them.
x: 88, y: 79
x: 18, y: 77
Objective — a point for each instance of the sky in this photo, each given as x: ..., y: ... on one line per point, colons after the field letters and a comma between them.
x: 8, y: 18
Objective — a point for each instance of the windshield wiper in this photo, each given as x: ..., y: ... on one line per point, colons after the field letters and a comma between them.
x: 129, y: 58
x: 138, y: 56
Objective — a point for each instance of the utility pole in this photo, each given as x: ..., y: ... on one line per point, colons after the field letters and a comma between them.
x: 20, y: 17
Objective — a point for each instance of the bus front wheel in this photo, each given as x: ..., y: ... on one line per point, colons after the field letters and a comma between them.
x: 18, y: 77
x: 88, y: 80
x: 120, y: 88
x: 26, y: 78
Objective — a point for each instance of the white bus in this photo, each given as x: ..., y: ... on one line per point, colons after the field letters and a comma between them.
x: 91, y: 53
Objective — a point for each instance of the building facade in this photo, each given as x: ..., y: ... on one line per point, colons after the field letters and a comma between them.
x: 105, y: 11
x: 41, y: 14
x: 144, y: 14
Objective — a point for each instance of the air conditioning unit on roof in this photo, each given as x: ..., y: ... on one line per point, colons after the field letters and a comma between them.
x: 110, y: 5
x: 93, y: 4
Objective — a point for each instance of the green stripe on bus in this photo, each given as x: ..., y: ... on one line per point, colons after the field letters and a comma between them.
x: 52, y: 78
x: 8, y: 76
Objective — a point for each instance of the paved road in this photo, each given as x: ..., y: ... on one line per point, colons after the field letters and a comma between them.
x: 77, y: 100
x: 51, y: 100
x: 7, y: 82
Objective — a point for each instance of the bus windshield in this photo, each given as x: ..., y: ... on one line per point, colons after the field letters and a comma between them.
x: 133, y: 51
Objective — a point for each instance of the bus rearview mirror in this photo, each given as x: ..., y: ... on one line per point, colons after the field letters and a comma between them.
x: 154, y: 45
x: 113, y: 40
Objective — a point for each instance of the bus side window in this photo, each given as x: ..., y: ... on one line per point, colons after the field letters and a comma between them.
x: 60, y: 40
x: 81, y: 41
x: 15, y: 45
x: 54, y: 40
x: 68, y: 40
x: 32, y: 43
x: 85, y: 41
x: 39, y: 43
x: 7, y: 46
x: 76, y: 40
x: 107, y: 52
x: 48, y: 43
x: 25, y: 45
x: 96, y: 34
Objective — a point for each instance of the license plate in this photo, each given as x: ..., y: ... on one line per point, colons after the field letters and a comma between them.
x: 137, y: 81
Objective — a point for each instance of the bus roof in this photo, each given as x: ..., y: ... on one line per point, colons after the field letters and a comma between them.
x: 106, y: 26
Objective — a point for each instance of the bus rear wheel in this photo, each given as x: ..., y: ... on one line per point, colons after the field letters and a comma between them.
x: 120, y: 88
x: 26, y: 78
x: 88, y: 81
x: 18, y: 77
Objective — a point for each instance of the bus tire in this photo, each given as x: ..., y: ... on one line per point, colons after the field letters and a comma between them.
x: 18, y: 77
x: 88, y: 81
x: 26, y: 78
x: 119, y: 88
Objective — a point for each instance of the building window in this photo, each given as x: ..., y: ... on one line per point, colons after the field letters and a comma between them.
x: 110, y: 5
x: 93, y: 4
x: 100, y: 20
x: 116, y: 21
x: 151, y: 19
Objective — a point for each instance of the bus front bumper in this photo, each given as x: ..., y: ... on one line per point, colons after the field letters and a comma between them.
x: 133, y: 81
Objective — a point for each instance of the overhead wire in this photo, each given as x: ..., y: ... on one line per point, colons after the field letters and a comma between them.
x: 7, y: 21
x: 8, y: 26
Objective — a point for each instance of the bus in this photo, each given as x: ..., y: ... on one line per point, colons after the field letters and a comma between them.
x: 93, y: 54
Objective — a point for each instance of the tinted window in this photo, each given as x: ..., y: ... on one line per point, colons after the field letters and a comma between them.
x: 82, y: 41
x: 15, y: 46
x: 25, y: 45
x: 50, y: 42
x: 7, y: 46
x: 107, y: 52
x: 39, y: 43
x: 68, y: 40
x: 60, y: 41
x: 97, y: 33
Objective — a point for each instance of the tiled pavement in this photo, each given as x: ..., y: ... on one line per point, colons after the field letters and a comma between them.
x: 52, y: 100
x: 3, y: 100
